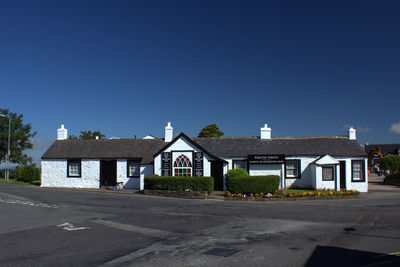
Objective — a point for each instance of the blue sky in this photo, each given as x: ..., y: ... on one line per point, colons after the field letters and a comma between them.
x: 307, y: 68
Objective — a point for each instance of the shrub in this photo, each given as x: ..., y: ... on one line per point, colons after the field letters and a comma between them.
x: 179, y: 183
x: 390, y: 162
x: 237, y: 173
x: 393, y: 179
x: 253, y: 184
x: 28, y: 173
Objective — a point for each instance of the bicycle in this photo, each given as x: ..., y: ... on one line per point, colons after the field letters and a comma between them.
x: 117, y: 187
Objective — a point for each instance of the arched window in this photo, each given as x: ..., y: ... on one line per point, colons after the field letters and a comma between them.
x: 182, y: 166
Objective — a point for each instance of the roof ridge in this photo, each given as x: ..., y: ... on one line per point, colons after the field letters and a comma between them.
x: 256, y: 137
x: 313, y: 137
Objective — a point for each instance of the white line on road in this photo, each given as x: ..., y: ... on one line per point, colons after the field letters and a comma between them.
x: 29, y: 203
x: 70, y: 227
x: 136, y: 229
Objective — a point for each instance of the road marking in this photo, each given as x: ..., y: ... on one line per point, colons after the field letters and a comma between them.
x: 29, y: 203
x: 136, y: 229
x: 70, y: 227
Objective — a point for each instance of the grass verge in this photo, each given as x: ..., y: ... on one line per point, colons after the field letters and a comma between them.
x: 16, y: 182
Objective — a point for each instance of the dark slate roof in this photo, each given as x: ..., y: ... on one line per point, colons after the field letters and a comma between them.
x: 305, y: 146
x: 143, y: 149
x: 385, y: 148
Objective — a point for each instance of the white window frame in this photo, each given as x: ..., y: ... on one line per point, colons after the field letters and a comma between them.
x: 297, y: 169
x: 74, y: 168
x: 333, y: 173
x: 129, y: 170
x: 178, y: 170
x: 361, y: 171
x: 235, y: 164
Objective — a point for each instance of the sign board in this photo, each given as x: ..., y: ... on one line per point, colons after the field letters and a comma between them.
x: 267, y: 159
x: 198, y: 164
x: 166, y: 165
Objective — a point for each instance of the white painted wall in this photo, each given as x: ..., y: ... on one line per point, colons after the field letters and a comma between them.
x: 129, y: 183
x: 54, y: 174
x: 144, y: 171
x: 306, y: 174
x: 313, y: 168
x: 359, y: 186
x: 321, y: 184
x: 265, y: 169
x: 132, y: 182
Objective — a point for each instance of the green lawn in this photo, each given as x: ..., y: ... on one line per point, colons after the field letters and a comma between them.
x: 14, y: 181
x: 302, y: 190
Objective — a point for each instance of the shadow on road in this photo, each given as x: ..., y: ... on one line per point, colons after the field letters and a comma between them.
x: 333, y: 256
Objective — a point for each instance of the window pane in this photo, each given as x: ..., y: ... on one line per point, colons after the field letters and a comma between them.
x: 290, y: 165
x: 74, y: 169
x: 327, y: 173
x: 357, y: 170
x: 292, y: 168
x: 181, y: 165
x: 134, y: 169
x: 240, y: 165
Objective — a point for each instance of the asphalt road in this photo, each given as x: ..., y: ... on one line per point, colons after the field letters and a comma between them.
x: 58, y: 227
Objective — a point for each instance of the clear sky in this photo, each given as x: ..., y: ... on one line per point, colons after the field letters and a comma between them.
x: 307, y: 68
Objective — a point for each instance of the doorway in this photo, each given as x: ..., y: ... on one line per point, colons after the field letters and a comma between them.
x: 218, y: 175
x: 108, y: 172
x: 342, y: 177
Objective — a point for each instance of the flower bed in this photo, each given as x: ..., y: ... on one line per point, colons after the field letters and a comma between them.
x: 293, y: 195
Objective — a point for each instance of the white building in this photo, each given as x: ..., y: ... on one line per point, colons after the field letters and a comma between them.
x: 335, y: 162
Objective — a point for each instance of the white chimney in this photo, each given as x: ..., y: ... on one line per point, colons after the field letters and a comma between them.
x: 168, y: 132
x: 62, y: 133
x: 352, y: 134
x: 265, y: 133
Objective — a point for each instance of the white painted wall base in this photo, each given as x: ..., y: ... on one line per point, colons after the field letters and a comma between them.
x: 54, y: 174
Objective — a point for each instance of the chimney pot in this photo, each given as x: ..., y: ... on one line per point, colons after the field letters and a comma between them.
x: 168, y: 132
x: 62, y: 133
x: 265, y: 133
x: 352, y: 134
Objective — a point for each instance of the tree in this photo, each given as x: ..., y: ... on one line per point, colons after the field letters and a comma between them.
x: 211, y: 130
x: 390, y: 162
x: 20, y: 137
x: 88, y: 135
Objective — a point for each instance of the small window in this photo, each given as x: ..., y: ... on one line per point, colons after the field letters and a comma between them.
x: 240, y: 165
x: 293, y: 168
x: 74, y: 168
x: 328, y: 173
x: 357, y: 171
x: 133, y: 169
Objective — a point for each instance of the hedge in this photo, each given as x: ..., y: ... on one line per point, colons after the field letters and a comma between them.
x: 28, y: 173
x: 393, y: 179
x: 253, y: 184
x: 179, y: 183
x: 237, y: 173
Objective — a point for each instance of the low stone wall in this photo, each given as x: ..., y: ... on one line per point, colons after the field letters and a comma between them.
x: 177, y: 194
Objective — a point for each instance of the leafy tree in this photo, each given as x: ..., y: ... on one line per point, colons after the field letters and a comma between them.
x: 20, y: 137
x: 390, y: 162
x: 88, y: 135
x: 211, y: 130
